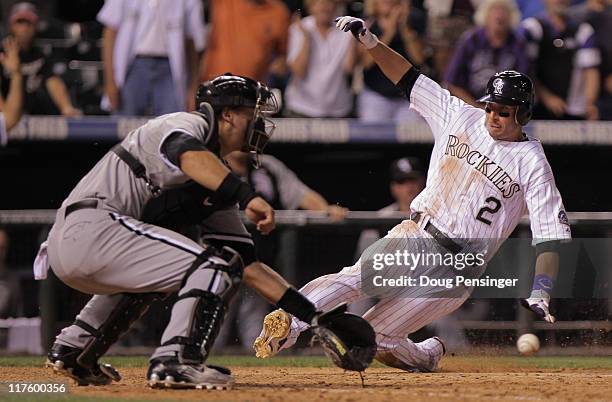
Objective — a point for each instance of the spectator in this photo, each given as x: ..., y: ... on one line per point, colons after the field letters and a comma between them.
x: 566, y: 61
x: 598, y: 13
x: 490, y: 47
x: 447, y: 21
x: 50, y: 98
x: 320, y: 59
x: 11, y: 107
x: 150, y: 54
x: 280, y: 186
x: 379, y: 99
x: 247, y: 37
x: 9, y: 286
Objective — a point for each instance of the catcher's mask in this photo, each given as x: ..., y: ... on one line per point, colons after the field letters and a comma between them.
x: 513, y: 89
x: 236, y: 91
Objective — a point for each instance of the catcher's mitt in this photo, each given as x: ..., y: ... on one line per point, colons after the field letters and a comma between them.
x: 347, y: 339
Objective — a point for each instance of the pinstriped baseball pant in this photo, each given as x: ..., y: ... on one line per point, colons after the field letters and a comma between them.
x: 393, y: 318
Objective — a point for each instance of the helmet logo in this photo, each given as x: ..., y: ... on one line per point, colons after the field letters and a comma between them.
x: 498, y: 85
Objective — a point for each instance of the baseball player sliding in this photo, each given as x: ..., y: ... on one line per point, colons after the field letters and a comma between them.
x: 484, y: 175
x: 100, y: 244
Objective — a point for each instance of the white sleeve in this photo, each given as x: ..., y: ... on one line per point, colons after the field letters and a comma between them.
x: 533, y: 32
x: 296, y: 40
x: 195, y: 24
x: 546, y: 213
x: 434, y: 103
x: 588, y: 55
x: 3, y: 134
x: 111, y: 13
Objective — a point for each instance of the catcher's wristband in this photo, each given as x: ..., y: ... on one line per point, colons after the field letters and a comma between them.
x: 298, y: 305
x: 235, y: 190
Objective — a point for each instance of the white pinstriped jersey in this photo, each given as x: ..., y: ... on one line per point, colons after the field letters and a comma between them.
x: 478, y: 187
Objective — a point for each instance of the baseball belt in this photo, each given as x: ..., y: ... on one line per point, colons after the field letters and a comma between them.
x: 436, y: 233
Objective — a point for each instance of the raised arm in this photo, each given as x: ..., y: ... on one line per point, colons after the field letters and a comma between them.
x: 434, y: 103
x: 110, y: 84
x: 12, y: 105
x: 392, y: 64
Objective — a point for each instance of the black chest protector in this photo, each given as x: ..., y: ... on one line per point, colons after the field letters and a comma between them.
x: 187, y: 205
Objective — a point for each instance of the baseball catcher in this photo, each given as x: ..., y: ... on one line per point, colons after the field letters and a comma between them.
x: 101, y: 245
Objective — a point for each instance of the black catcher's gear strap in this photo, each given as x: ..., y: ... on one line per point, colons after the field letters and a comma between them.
x: 137, y: 168
x: 245, y: 249
x: 233, y: 189
x: 235, y: 265
x: 347, y: 339
x: 129, y: 309
x: 206, y: 324
x: 210, y: 307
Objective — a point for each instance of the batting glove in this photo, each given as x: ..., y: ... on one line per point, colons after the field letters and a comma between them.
x: 358, y: 29
x: 538, y: 302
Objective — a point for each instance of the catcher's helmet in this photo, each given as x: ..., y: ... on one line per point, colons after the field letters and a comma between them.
x: 514, y: 89
x: 231, y: 91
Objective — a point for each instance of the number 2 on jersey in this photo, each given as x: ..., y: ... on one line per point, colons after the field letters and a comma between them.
x: 488, y: 209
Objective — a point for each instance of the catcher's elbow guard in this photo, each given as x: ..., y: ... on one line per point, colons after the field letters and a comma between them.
x: 347, y: 339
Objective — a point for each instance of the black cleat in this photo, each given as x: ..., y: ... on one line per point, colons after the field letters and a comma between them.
x: 63, y: 360
x: 170, y: 373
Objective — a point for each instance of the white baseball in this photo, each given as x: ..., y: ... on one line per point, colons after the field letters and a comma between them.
x: 528, y: 344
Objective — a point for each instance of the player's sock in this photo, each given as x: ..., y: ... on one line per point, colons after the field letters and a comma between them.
x: 297, y: 327
x: 422, y: 356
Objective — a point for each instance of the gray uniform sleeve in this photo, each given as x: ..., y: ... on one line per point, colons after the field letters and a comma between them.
x: 225, y: 224
x: 291, y: 189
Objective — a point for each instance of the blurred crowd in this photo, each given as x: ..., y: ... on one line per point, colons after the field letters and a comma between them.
x: 147, y: 57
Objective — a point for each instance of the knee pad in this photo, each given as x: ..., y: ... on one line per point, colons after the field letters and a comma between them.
x: 130, y: 308
x: 210, y: 306
x: 225, y: 260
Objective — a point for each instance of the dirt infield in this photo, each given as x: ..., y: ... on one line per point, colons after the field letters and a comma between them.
x: 462, y: 379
